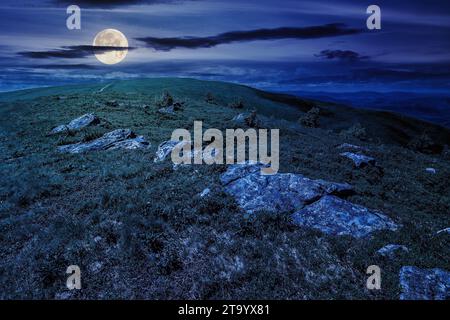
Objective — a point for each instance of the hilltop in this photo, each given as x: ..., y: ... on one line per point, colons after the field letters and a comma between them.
x: 144, y: 229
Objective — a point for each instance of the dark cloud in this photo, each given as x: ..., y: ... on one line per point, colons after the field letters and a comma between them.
x: 71, y: 52
x: 63, y: 66
x: 108, y: 3
x: 328, y: 30
x: 343, y: 55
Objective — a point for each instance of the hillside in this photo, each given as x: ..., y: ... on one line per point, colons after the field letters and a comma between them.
x: 143, y: 229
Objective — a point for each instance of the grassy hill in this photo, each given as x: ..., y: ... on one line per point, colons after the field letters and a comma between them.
x: 139, y: 229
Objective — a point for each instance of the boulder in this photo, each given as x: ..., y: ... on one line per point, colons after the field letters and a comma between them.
x: 336, y: 216
x: 117, y: 139
x: 358, y: 159
x: 444, y: 231
x: 166, y: 147
x: 391, y: 250
x: 280, y: 192
x: 424, y: 284
x: 77, y: 124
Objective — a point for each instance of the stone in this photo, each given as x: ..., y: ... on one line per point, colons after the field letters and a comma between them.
x: 117, y: 139
x: 351, y: 146
x: 391, y: 250
x: 166, y: 147
x: 205, y: 193
x: 281, y: 192
x: 77, y: 124
x: 167, y: 110
x: 358, y: 159
x: 446, y: 230
x: 424, y: 284
x: 431, y: 170
x: 336, y: 216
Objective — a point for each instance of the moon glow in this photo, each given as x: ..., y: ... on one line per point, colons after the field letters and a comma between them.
x: 111, y: 38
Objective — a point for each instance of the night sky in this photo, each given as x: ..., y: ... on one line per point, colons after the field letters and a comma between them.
x: 279, y: 45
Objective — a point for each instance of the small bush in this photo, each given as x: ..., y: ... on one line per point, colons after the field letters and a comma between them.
x: 164, y: 100
x: 355, y: 131
x: 423, y: 143
x: 237, y: 104
x: 210, y: 98
x: 311, y: 118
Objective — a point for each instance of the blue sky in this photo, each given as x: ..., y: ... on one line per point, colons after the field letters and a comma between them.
x: 280, y: 45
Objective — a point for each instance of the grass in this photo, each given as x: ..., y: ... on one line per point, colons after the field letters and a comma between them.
x: 139, y: 229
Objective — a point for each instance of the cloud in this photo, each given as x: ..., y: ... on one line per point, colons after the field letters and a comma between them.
x: 71, y: 52
x: 63, y: 66
x: 343, y: 55
x: 328, y: 30
x: 109, y: 3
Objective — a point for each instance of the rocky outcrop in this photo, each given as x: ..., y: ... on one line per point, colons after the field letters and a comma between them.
x: 424, y: 284
x: 166, y: 147
x: 336, y: 216
x: 117, y: 139
x: 313, y: 201
x: 276, y: 193
x: 358, y: 159
x: 77, y: 124
x: 392, y: 250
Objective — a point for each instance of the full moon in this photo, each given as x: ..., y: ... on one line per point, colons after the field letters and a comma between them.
x: 111, y: 38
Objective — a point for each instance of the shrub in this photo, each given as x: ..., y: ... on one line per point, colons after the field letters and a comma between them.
x: 423, y: 143
x: 355, y: 131
x: 210, y: 98
x: 311, y: 118
x: 237, y: 104
x: 164, y: 100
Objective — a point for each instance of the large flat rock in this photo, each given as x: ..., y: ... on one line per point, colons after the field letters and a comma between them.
x: 77, y: 124
x: 424, y: 284
x: 117, y: 139
x: 336, y: 216
x: 281, y: 192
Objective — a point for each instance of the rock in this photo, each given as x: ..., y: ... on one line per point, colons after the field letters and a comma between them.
x: 446, y: 230
x: 424, y: 284
x: 358, y: 159
x: 117, y: 139
x: 350, y: 146
x: 77, y: 124
x: 391, y: 250
x: 431, y: 170
x: 167, y: 110
x: 205, y: 193
x: 166, y: 147
x: 336, y: 216
x: 275, y: 193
